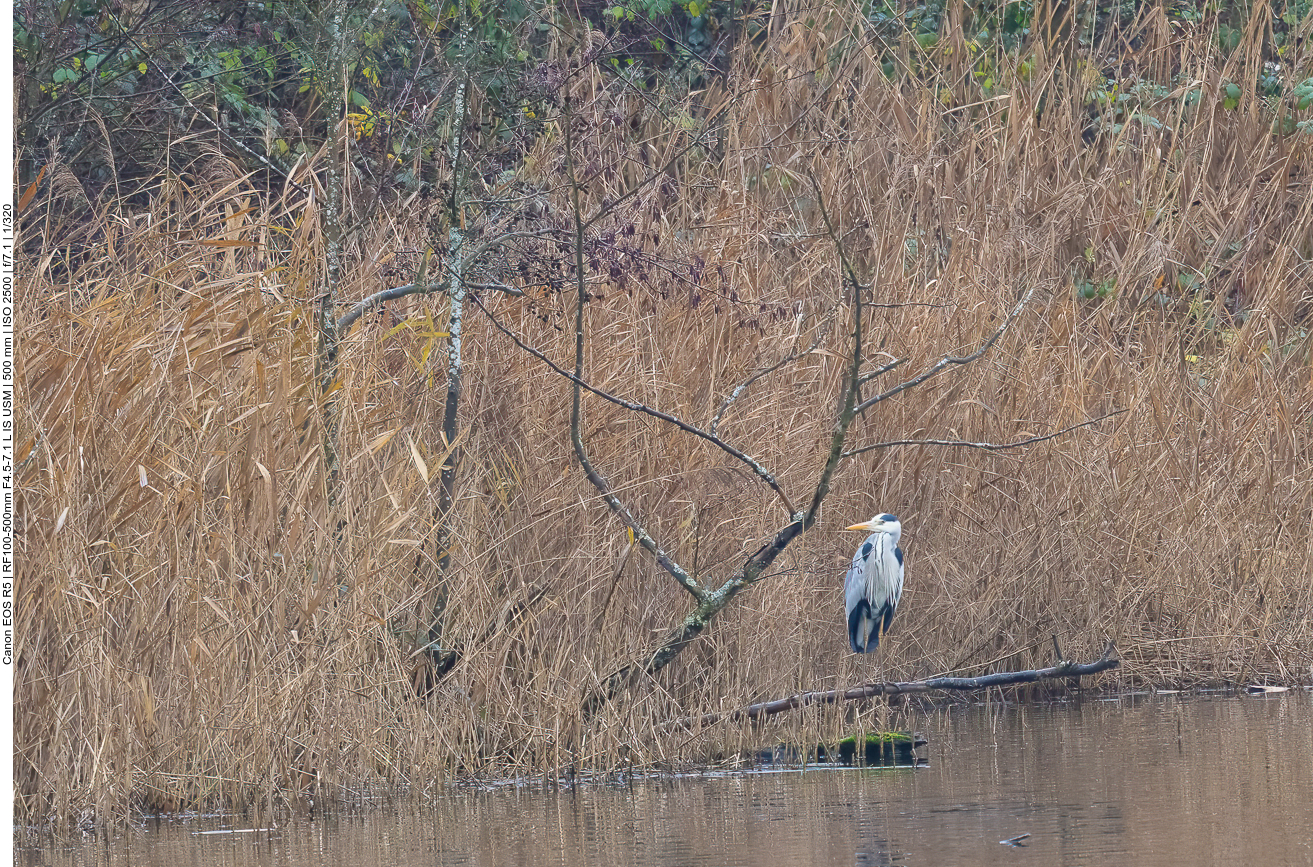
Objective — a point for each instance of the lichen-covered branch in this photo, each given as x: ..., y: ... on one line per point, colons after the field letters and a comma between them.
x: 443, y: 658
x: 329, y: 337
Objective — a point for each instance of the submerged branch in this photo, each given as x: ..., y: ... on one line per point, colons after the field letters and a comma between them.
x: 1064, y: 669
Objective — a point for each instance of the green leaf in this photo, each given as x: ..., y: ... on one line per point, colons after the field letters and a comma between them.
x: 1232, y: 97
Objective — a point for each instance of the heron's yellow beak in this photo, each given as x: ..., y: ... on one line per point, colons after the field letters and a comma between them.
x: 865, y: 525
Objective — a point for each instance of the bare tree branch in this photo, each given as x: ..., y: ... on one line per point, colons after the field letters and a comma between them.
x: 898, y: 305
x: 610, y: 206
x: 676, y: 571
x: 950, y: 360
x: 985, y: 446
x: 849, y: 408
x: 635, y: 406
x: 360, y: 308
x: 753, y: 569
x: 767, y: 371
x: 1064, y: 669
x: 502, y: 240
x: 496, y: 286
x: 875, y: 374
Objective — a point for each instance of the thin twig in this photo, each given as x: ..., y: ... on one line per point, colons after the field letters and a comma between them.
x: 848, y: 408
x: 898, y: 305
x: 874, y: 374
x: 984, y: 446
x: 501, y: 240
x: 615, y: 581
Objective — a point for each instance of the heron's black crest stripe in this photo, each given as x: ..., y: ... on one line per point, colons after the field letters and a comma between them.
x: 888, y: 517
x: 898, y: 552
x: 866, y: 551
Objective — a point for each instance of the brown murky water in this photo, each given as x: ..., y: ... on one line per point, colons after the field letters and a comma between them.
x: 1144, y: 781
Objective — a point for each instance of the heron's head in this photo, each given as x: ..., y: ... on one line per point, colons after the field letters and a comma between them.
x: 885, y: 523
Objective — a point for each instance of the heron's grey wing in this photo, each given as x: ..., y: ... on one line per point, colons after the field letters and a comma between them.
x: 857, y: 608
x: 854, y: 585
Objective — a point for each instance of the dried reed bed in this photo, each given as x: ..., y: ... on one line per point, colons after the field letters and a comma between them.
x: 190, y: 636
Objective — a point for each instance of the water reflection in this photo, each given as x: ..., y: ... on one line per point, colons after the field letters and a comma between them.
x: 1149, y: 781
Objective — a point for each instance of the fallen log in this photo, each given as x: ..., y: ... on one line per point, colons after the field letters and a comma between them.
x: 1064, y: 669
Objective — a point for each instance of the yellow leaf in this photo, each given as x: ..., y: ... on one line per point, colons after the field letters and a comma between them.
x: 381, y: 440
x: 30, y: 191
x: 419, y: 461
x: 400, y: 326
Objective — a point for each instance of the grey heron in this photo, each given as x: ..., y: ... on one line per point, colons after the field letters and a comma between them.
x: 874, y: 583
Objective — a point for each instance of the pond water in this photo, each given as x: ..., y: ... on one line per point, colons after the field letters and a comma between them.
x: 1149, y: 780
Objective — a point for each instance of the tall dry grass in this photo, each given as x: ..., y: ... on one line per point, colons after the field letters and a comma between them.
x: 183, y: 638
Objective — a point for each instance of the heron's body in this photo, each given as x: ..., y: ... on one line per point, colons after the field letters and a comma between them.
x: 874, y: 583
